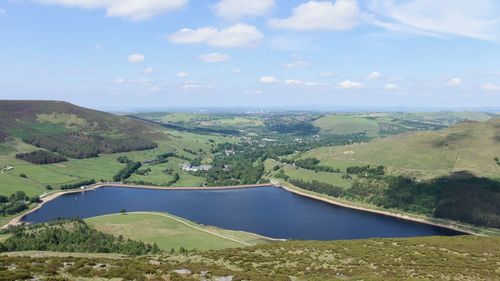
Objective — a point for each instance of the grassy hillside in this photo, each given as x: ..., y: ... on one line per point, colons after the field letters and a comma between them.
x: 344, y: 125
x: 171, y: 232
x: 19, y: 118
x: 429, y: 258
x: 470, y: 146
x: 67, y: 130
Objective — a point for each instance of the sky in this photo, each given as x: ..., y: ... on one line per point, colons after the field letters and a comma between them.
x: 145, y: 54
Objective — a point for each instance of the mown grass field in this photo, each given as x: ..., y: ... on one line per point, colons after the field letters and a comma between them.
x: 467, y: 146
x: 171, y: 232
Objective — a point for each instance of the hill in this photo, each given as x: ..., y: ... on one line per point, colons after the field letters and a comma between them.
x: 467, y: 146
x: 427, y: 258
x: 71, y: 130
x: 45, y: 145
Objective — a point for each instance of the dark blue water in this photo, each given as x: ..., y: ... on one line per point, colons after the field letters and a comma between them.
x: 268, y: 211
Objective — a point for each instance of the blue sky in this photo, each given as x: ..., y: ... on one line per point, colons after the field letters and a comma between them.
x: 122, y: 54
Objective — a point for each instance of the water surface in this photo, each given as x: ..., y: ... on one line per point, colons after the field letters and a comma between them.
x: 269, y: 211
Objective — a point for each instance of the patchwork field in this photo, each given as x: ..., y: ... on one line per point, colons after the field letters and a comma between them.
x: 104, y: 166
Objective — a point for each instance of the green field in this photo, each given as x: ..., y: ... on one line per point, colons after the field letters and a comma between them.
x: 169, y: 231
x: 344, y: 125
x: 104, y: 166
x: 205, y: 120
x: 467, y: 146
x: 306, y: 175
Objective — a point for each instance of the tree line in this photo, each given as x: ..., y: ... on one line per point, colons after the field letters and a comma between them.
x: 41, y: 157
x: 312, y: 163
x: 471, y: 200
x: 71, y: 236
x: 128, y: 170
x: 16, y: 203
x: 77, y: 184
x: 81, y: 145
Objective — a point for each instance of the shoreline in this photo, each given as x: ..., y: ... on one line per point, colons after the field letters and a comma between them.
x: 287, y: 187
x: 45, y: 198
x: 319, y: 197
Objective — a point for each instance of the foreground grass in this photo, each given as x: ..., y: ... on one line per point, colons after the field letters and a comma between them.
x: 171, y: 232
x: 429, y: 258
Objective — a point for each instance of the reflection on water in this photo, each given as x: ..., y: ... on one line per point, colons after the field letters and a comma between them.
x: 268, y: 211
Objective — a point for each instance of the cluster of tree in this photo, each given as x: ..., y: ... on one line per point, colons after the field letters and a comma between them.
x: 71, y: 236
x: 163, y: 158
x: 497, y: 161
x: 471, y: 200
x: 199, y: 130
x: 313, y: 164
x: 291, y: 127
x: 41, y: 157
x: 77, y: 184
x: 244, y: 167
x: 366, y: 170
x: 130, y: 168
x: 143, y: 172
x: 319, y: 187
x: 16, y: 203
x: 81, y: 145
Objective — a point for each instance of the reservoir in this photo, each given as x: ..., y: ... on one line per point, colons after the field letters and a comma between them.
x: 268, y: 211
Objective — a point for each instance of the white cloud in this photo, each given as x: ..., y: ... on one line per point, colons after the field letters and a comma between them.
x: 98, y: 46
x: 477, y: 19
x: 135, y: 58
x: 374, y: 75
x: 268, y: 80
x: 327, y: 74
x: 391, y: 86
x: 296, y: 82
x: 213, y: 58
x: 238, y: 35
x: 348, y: 85
x: 120, y: 81
x: 250, y: 92
x: 326, y: 15
x: 129, y: 9
x: 149, y: 70
x: 2, y: 12
x: 235, y: 9
x: 155, y: 89
x: 454, y: 82
x: 237, y: 70
x: 182, y: 74
x: 192, y: 86
x: 490, y: 87
x: 297, y: 64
